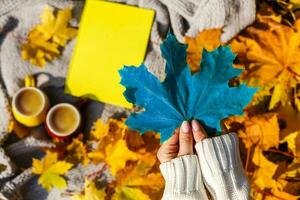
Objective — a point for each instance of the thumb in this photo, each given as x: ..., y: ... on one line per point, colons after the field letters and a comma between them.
x: 185, y: 139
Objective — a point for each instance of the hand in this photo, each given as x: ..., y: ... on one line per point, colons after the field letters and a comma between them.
x: 182, y: 141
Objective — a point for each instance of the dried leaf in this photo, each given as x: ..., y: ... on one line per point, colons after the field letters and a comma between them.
x: 77, y: 152
x: 270, y: 56
x: 130, y: 193
x: 130, y: 169
x: 113, y: 148
x: 90, y: 192
x: 290, y: 119
x: 50, y: 171
x: 293, y: 141
x: 45, y: 41
x: 263, y: 176
x: 282, y: 11
x: 261, y: 131
x: 99, y: 130
x: 207, y: 39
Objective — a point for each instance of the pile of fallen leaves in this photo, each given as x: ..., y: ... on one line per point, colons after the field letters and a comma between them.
x: 131, y: 158
x: 269, y: 130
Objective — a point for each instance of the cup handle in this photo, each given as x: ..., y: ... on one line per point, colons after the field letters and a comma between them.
x: 29, y: 81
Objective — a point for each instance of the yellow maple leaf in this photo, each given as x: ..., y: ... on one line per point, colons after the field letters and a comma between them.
x: 56, y: 28
x: 112, y: 148
x: 293, y: 141
x: 50, y: 171
x: 77, y: 152
x: 90, y: 192
x: 130, y: 193
x: 115, y: 155
x: 265, y: 183
x: 132, y: 178
x: 99, y: 130
x: 263, y: 176
x: 280, y: 195
x: 291, y: 119
x: 259, y: 130
x: 135, y: 175
x: 208, y: 39
x: 44, y: 41
x: 270, y: 56
x: 281, y: 11
x: 133, y: 183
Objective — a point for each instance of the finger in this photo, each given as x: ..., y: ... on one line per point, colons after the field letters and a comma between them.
x: 185, y: 139
x: 198, y: 131
x: 169, y: 149
x: 173, y: 139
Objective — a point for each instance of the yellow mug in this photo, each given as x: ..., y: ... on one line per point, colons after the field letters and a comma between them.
x: 30, y: 106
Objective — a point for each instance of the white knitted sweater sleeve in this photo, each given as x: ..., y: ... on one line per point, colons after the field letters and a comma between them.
x: 222, y: 168
x: 183, y: 179
x: 218, y: 164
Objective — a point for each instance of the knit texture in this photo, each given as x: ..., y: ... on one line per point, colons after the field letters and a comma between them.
x: 230, y: 15
x: 222, y: 168
x: 183, y: 179
x: 5, y: 115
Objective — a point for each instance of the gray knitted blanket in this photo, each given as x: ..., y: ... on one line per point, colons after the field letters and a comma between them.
x: 18, y: 17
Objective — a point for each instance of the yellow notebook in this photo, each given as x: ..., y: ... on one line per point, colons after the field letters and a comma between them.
x: 110, y: 36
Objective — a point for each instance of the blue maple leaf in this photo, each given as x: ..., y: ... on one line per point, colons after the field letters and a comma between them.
x: 205, y: 95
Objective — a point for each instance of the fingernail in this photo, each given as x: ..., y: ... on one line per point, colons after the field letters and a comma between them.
x: 195, y: 125
x: 185, y: 127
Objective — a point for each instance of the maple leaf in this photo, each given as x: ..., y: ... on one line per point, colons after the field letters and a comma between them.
x: 77, y: 152
x: 90, y: 192
x: 284, y: 11
x: 280, y: 195
x: 204, y: 96
x: 56, y: 28
x: 50, y: 171
x: 113, y: 148
x: 207, y: 39
x: 46, y: 40
x: 270, y: 56
x: 99, y: 130
x: 290, y: 118
x: 293, y: 141
x: 130, y: 183
x: 263, y: 176
x: 129, y: 193
x: 265, y: 183
x: 261, y: 130
x: 264, y: 11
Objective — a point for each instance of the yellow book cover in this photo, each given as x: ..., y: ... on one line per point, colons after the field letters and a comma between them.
x: 110, y: 36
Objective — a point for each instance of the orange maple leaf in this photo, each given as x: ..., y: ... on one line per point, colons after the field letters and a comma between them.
x: 208, y: 39
x: 270, y: 51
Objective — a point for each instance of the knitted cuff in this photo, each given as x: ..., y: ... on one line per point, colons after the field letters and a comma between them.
x: 223, y: 171
x: 183, y: 179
